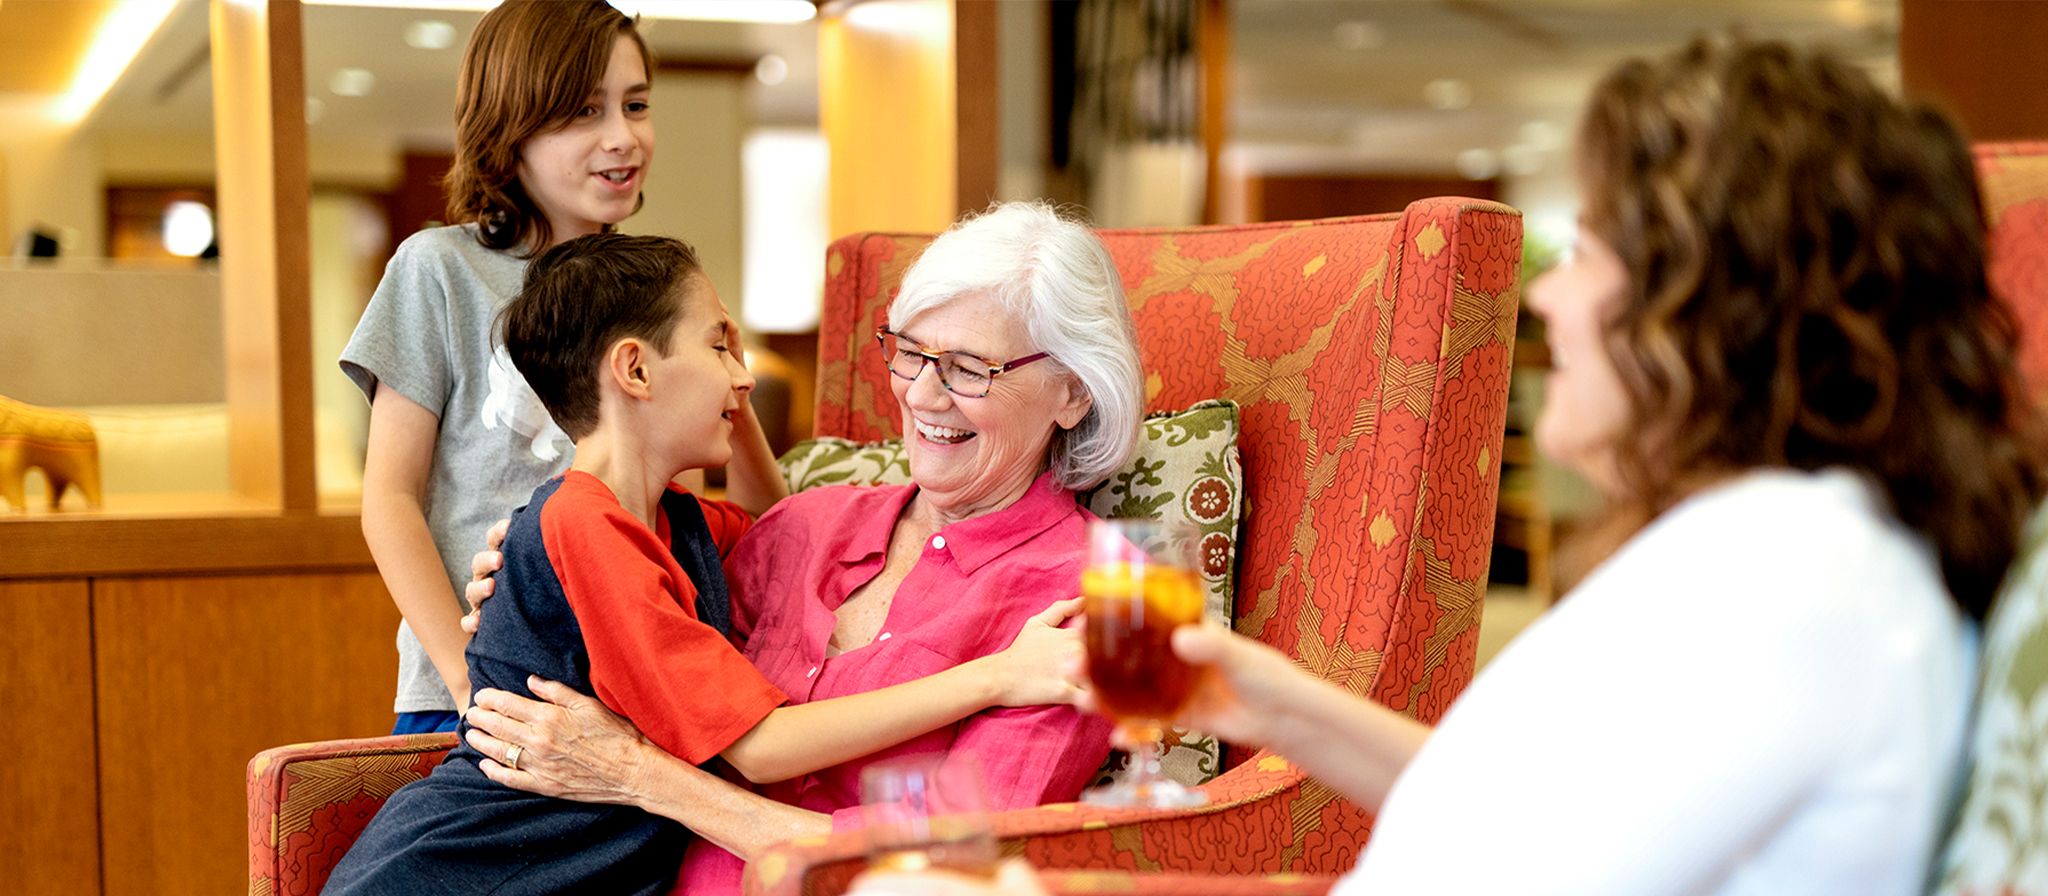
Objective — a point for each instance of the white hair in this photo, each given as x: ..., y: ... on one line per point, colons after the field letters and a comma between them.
x: 1055, y: 276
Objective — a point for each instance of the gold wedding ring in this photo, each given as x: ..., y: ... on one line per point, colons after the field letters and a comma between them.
x: 512, y: 757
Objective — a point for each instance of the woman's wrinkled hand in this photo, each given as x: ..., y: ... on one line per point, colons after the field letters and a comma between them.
x: 571, y: 746
x: 1035, y: 669
x: 1013, y: 878
x: 483, y: 569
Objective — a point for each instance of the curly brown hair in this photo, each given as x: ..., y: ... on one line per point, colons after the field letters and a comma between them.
x: 1806, y: 290
x: 529, y: 66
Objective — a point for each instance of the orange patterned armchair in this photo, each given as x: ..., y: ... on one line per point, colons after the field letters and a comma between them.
x: 1369, y: 356
x: 2014, y: 178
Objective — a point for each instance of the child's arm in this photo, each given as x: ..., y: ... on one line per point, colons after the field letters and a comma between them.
x: 796, y: 740
x: 395, y: 469
x: 752, y: 478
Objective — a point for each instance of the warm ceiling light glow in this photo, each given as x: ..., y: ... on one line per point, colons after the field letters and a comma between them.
x: 430, y: 34
x: 771, y: 70
x: 352, y: 82
x: 187, y: 228
x: 128, y: 25
x: 761, y: 11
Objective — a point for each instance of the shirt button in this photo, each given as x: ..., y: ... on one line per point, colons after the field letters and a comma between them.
x: 813, y: 673
x: 938, y: 541
x: 884, y: 637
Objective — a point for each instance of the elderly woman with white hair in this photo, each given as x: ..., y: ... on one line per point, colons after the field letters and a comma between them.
x: 1016, y: 371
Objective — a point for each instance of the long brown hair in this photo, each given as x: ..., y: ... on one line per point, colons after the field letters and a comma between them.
x: 530, y: 65
x: 1806, y: 290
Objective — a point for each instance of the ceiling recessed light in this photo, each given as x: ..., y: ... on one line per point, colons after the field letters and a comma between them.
x: 771, y: 70
x: 1541, y: 135
x: 430, y: 34
x: 1359, y: 35
x: 1448, y: 94
x: 1521, y: 159
x: 1478, y: 164
x: 352, y: 82
x: 187, y: 228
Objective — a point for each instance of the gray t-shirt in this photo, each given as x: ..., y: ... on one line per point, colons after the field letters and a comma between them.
x: 429, y: 333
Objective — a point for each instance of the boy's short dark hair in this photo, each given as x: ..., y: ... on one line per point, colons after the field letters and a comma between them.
x: 579, y: 298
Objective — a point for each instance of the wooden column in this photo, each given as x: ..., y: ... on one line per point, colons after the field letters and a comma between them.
x: 908, y: 105
x: 264, y: 189
x: 1214, y: 38
x: 1981, y: 60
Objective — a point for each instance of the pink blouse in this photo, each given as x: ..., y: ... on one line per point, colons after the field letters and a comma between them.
x: 975, y: 585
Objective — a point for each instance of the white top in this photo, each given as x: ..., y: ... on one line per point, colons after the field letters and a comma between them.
x: 1764, y: 691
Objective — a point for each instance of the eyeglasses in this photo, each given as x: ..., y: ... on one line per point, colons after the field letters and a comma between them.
x: 965, y: 375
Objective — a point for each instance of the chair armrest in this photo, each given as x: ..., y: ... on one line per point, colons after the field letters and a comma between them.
x: 1088, y: 883
x: 1265, y: 794
x: 309, y: 802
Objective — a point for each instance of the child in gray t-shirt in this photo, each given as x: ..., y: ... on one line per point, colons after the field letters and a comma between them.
x: 552, y: 142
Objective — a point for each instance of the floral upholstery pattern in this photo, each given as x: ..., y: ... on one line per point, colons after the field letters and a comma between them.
x: 1186, y: 469
x: 2014, y: 181
x: 1369, y: 357
x: 1999, y: 846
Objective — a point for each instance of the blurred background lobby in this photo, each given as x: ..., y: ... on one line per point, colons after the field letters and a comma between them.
x: 197, y: 199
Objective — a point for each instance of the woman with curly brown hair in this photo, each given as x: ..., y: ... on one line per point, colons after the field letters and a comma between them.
x: 1776, y: 353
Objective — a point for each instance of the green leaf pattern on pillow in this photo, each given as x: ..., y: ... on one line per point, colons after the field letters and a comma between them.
x: 1186, y: 467
x: 2000, y: 843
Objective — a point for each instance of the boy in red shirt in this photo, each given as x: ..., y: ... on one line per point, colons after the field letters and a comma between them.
x: 612, y: 584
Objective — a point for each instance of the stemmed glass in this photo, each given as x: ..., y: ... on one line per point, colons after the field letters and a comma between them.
x: 926, y: 813
x: 1138, y: 583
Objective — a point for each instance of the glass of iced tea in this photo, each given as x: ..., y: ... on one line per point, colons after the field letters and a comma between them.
x: 1138, y: 584
x: 928, y: 813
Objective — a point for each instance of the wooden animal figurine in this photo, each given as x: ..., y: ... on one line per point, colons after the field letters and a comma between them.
x: 60, y: 442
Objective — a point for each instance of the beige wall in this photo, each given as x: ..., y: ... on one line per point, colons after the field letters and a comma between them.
x: 693, y: 187
x: 51, y: 180
x: 91, y: 337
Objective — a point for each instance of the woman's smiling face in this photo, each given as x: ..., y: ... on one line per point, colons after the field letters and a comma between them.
x: 971, y: 456
x: 1585, y: 407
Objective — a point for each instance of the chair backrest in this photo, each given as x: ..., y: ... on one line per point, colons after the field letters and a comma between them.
x: 1370, y: 358
x: 2014, y: 181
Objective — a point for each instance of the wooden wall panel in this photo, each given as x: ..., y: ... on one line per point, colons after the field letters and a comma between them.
x: 49, y: 827
x: 195, y: 675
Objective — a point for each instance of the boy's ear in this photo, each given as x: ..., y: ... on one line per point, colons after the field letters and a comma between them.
x: 626, y: 366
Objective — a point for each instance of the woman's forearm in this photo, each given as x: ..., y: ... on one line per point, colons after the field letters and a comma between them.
x: 738, y: 821
x: 796, y: 740
x: 1350, y: 743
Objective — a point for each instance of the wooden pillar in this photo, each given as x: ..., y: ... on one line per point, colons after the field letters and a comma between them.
x: 1214, y: 48
x: 264, y: 190
x: 1981, y: 60
x: 907, y: 101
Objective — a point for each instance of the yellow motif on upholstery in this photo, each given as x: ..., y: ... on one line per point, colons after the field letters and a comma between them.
x: 1382, y: 530
x: 1095, y: 825
x: 1478, y: 319
x: 1314, y: 264
x: 1098, y: 882
x: 1485, y: 459
x: 262, y: 886
x: 1273, y: 763
x: 1153, y: 386
x: 322, y: 783
x: 1130, y: 838
x: 1460, y: 600
x: 834, y: 263
x: 1059, y: 807
x: 1430, y: 241
x: 1212, y: 277
x: 1307, y: 815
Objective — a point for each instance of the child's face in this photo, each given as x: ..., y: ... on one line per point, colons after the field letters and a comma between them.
x: 699, y: 385
x: 588, y: 173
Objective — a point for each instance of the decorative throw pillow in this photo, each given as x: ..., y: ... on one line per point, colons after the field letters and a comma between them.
x: 1996, y: 846
x: 1185, y: 468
